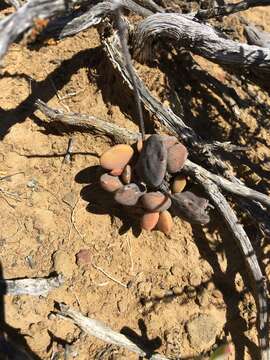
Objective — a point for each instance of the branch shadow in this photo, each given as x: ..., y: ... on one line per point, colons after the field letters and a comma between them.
x: 44, y: 89
x: 101, y: 202
x: 13, y: 345
x: 224, y: 281
x: 142, y: 341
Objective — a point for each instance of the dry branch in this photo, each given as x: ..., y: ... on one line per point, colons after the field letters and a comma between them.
x: 257, y: 37
x: 35, y: 287
x: 103, y: 332
x: 210, y: 182
x: 88, y: 123
x: 16, y: 24
x: 229, y: 9
x: 94, y: 15
x: 200, y: 39
x: 16, y: 3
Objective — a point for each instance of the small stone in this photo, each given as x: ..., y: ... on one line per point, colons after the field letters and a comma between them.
x: 149, y: 220
x: 32, y: 184
x: 203, y: 298
x: 110, y: 183
x: 83, y: 257
x: 116, y: 157
x: 126, y: 174
x: 177, y: 290
x: 63, y: 263
x: 165, y: 222
x: 191, y: 292
x: 128, y: 195
x: 177, y: 155
x: 179, y: 183
x: 195, y: 278
x: 202, y: 331
x: 155, y: 201
x: 70, y: 199
x: 158, y: 293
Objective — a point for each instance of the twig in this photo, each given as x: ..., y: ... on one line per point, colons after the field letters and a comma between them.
x: 256, y: 36
x: 103, y: 332
x: 88, y: 123
x: 109, y: 276
x: 35, y: 287
x: 229, y: 9
x: 123, y: 34
x: 73, y: 220
x: 233, y: 188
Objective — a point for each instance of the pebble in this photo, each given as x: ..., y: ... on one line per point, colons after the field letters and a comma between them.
x: 165, y: 222
x: 202, y: 331
x: 70, y: 199
x: 126, y: 174
x: 179, y: 183
x: 63, y: 263
x: 83, y: 257
x: 155, y: 201
x: 110, y: 183
x: 128, y: 195
x: 177, y: 290
x: 177, y: 155
x: 116, y: 157
x: 149, y: 220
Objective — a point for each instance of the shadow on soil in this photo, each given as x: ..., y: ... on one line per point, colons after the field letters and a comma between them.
x: 225, y: 282
x: 101, y: 202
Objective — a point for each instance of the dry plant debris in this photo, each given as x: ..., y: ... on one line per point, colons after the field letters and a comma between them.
x: 147, y: 173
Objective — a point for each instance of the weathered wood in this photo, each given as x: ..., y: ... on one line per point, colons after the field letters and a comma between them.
x: 200, y: 39
x: 27, y: 286
x: 229, y: 9
x: 103, y: 332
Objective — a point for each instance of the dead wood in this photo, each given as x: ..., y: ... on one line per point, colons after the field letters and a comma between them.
x: 35, y: 287
x: 200, y: 39
x: 16, y: 3
x: 229, y: 9
x: 103, y: 332
x: 257, y: 37
x: 211, y: 184
x: 12, y: 26
x: 93, y: 16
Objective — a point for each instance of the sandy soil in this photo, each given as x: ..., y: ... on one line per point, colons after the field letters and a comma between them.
x: 187, y: 292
